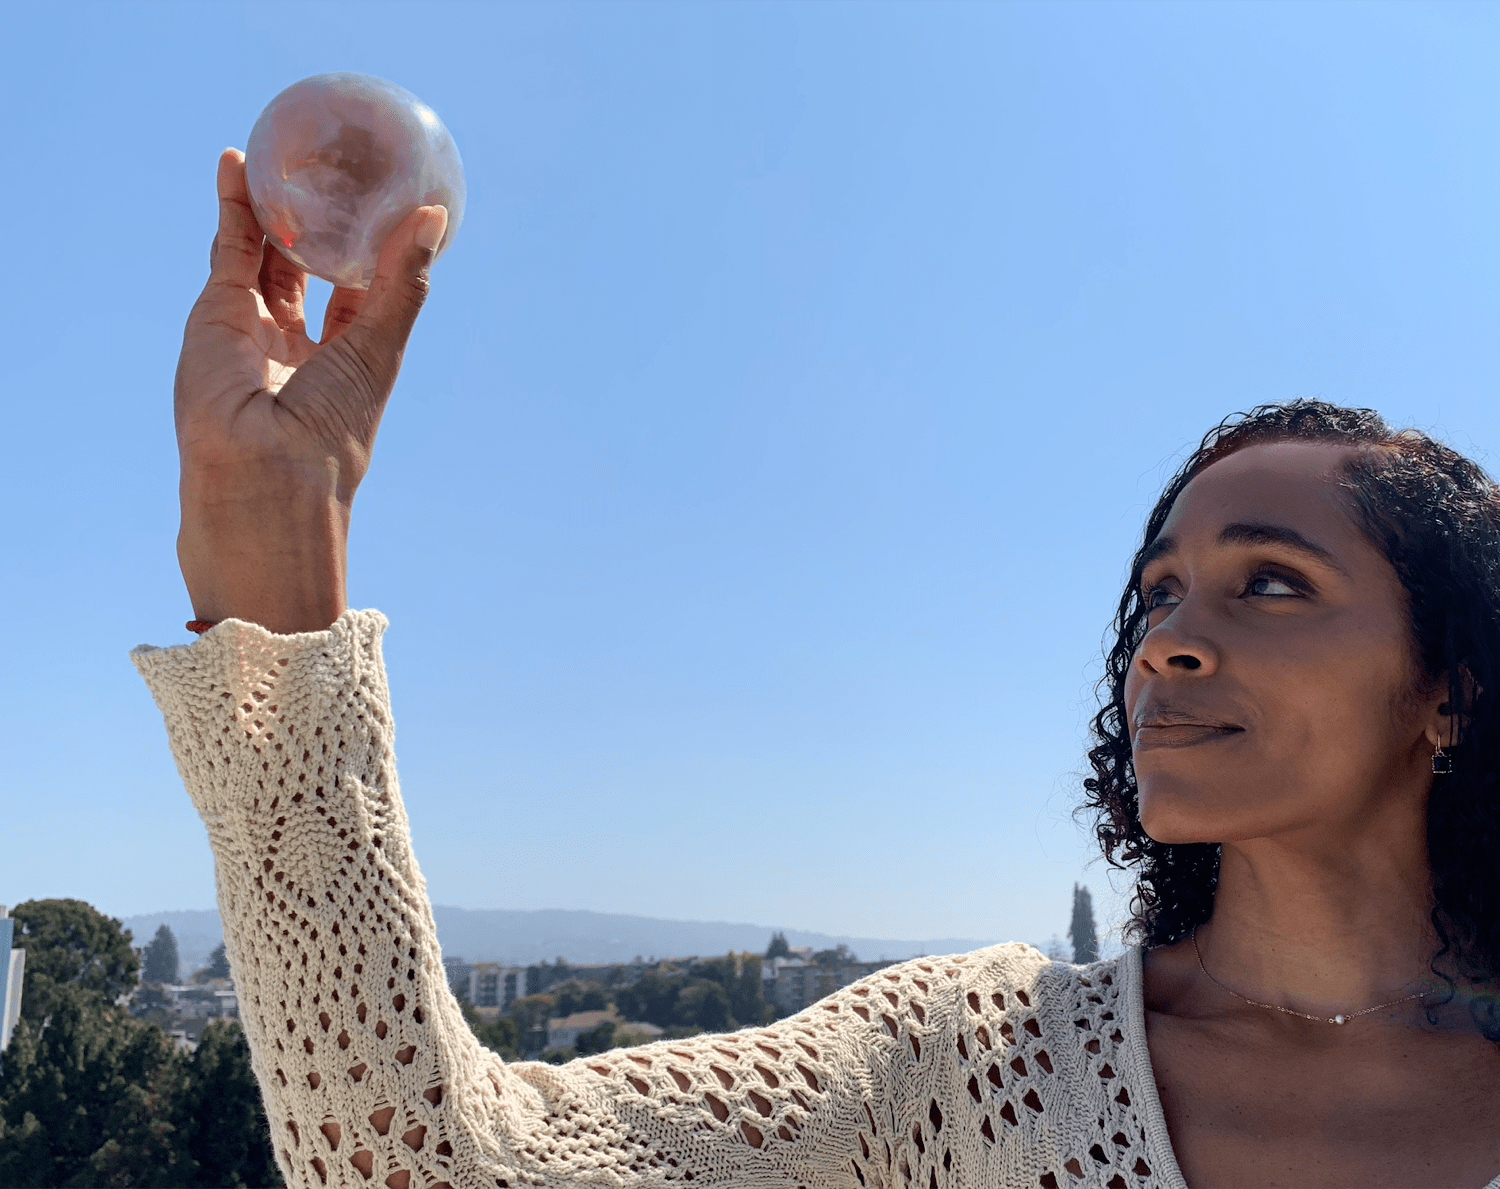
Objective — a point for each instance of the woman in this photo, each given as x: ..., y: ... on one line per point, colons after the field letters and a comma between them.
x: 1295, y: 757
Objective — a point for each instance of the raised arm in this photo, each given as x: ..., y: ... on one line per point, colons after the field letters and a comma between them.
x: 281, y: 727
x: 368, y: 1070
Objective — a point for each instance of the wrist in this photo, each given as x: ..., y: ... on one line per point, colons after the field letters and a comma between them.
x: 278, y: 560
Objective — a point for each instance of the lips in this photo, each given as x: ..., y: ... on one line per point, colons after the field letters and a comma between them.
x: 1174, y: 726
x: 1181, y: 735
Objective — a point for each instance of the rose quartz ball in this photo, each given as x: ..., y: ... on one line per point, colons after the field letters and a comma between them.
x: 337, y: 160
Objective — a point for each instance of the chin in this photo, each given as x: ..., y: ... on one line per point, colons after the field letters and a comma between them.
x: 1176, y: 812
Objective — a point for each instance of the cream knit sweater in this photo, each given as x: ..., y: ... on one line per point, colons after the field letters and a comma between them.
x: 996, y: 1068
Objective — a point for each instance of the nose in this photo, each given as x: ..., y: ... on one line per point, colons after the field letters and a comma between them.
x: 1177, y: 645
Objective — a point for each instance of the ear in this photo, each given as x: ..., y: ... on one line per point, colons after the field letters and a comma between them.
x: 1446, y: 722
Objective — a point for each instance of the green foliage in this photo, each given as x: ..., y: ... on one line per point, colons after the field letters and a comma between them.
x: 501, y: 1035
x: 705, y: 1004
x: 91, y: 1096
x: 67, y: 941
x: 218, y: 966
x: 652, y: 998
x: 226, y: 1130
x: 841, y: 956
x: 159, y: 958
x: 714, y: 996
x: 576, y: 995
x: 598, y: 1039
x: 747, y: 1002
x: 778, y: 947
x: 531, y: 1012
x: 498, y: 1034
x: 1082, y: 932
x: 152, y: 1005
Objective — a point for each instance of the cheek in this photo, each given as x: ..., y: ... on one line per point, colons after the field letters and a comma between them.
x: 1329, y: 720
x: 1334, y: 692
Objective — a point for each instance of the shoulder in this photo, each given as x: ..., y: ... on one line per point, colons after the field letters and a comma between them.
x: 1002, y: 977
x: 1008, y: 992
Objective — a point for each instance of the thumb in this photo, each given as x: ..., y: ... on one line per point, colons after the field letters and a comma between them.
x: 396, y: 294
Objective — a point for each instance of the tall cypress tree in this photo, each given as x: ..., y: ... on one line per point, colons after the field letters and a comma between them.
x: 218, y: 966
x: 159, y: 960
x: 1084, y: 936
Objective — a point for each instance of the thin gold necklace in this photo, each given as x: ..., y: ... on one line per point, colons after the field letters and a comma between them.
x: 1341, y: 1018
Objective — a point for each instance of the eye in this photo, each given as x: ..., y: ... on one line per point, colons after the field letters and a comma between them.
x: 1159, y: 596
x: 1271, y: 586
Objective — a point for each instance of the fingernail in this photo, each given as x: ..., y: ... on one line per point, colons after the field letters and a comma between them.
x: 430, y: 229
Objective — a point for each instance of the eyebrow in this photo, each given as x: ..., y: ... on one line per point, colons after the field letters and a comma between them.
x: 1241, y: 533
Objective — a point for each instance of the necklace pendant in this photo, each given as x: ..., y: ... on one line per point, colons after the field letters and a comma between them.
x: 1340, y: 1019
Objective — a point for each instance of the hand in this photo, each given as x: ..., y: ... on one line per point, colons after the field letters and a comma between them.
x: 275, y: 431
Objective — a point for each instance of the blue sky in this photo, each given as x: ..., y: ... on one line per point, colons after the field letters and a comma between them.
x: 767, y: 459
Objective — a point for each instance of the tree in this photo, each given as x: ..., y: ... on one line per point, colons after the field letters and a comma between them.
x: 218, y: 966
x: 704, y: 1004
x: 226, y: 1132
x: 598, y: 1039
x: 159, y: 959
x: 500, y: 1035
x: 151, y: 1005
x: 841, y: 956
x: 67, y: 941
x: 531, y: 1013
x: 1084, y: 936
x: 576, y: 995
x: 739, y: 975
x: 778, y: 947
x: 91, y: 1096
x: 713, y: 995
x: 652, y: 998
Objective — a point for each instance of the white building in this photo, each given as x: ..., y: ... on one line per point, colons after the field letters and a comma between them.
x: 12, y: 965
x: 487, y: 984
x: 794, y: 983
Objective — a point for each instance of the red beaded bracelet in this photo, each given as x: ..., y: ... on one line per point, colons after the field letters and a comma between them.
x: 201, y: 625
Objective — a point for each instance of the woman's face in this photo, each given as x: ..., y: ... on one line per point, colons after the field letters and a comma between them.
x: 1276, y: 691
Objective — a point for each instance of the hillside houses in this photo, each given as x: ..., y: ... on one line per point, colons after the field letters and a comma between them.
x: 790, y: 983
x: 798, y: 981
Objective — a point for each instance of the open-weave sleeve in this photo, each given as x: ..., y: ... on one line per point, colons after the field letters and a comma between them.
x: 369, y: 1073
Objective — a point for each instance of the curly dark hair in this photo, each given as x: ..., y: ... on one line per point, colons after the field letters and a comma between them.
x: 1436, y: 516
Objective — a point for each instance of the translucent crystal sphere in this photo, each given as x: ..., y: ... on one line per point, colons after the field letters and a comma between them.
x: 337, y: 160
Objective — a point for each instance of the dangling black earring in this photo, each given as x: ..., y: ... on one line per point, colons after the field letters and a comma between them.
x: 1442, y: 762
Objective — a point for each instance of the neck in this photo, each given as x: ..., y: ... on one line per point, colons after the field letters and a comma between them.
x: 1320, y: 931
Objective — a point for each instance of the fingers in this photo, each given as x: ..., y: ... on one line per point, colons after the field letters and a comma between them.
x: 283, y: 285
x: 400, y: 285
x: 235, y: 257
x: 344, y: 306
x: 380, y: 330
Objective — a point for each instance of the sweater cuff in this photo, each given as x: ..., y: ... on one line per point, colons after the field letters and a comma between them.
x: 223, y: 691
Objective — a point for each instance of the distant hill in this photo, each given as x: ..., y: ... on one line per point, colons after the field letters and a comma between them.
x: 522, y: 938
